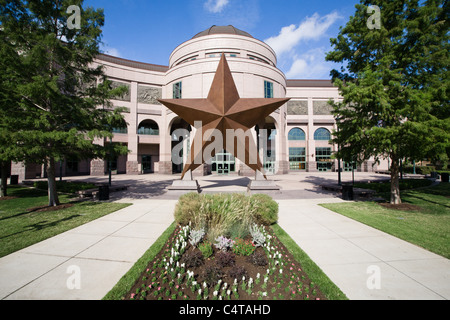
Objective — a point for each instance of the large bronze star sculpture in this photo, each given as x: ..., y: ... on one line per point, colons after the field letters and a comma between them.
x: 223, y: 110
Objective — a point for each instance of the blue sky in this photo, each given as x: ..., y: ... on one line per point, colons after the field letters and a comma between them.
x: 298, y: 30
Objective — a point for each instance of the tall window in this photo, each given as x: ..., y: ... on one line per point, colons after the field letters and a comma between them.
x: 322, y: 134
x: 296, y: 134
x: 177, y: 90
x: 268, y: 89
x: 323, y: 159
x: 297, y: 158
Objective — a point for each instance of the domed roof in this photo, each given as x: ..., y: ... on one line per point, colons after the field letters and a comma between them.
x: 222, y: 30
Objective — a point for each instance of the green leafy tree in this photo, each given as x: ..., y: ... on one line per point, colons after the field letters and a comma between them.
x: 63, y: 95
x: 394, y: 81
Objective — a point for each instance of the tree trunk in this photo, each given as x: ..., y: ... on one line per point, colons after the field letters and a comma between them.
x: 395, y: 187
x: 53, y: 199
x: 4, y: 178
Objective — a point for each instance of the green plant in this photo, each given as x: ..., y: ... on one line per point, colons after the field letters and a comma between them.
x: 212, y: 274
x: 258, y: 259
x: 225, y: 259
x: 206, y: 249
x: 196, y: 236
x: 228, y: 215
x: 192, y: 259
x: 266, y: 209
x: 187, y: 207
x: 243, y: 247
x: 257, y: 235
x: 237, y: 273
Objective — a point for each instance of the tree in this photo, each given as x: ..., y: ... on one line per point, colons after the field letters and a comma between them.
x: 394, y: 81
x: 55, y: 83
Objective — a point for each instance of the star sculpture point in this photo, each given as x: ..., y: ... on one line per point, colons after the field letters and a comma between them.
x: 224, y: 111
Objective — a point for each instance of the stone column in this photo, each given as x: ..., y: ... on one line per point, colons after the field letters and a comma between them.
x: 133, y: 166
x: 311, y: 145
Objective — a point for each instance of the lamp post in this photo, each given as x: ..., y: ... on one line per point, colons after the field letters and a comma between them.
x: 110, y: 161
x: 339, y: 159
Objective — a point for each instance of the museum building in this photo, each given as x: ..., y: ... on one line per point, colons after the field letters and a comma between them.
x: 299, y: 132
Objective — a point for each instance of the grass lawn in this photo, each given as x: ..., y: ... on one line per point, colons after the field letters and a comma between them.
x: 21, y: 225
x: 428, y: 226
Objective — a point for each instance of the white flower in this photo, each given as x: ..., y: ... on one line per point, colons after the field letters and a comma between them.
x: 204, y: 284
x: 264, y: 294
x: 281, y: 271
x: 215, y: 293
x: 199, y: 291
x: 257, y: 275
x: 228, y: 292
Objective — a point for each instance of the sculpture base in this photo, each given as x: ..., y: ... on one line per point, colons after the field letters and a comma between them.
x: 262, y: 185
x: 185, y: 185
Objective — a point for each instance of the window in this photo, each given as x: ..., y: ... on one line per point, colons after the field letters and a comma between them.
x: 297, y: 158
x: 268, y: 89
x: 177, y: 90
x: 296, y: 134
x: 148, y: 127
x: 322, y: 134
x: 120, y: 130
x: 323, y: 159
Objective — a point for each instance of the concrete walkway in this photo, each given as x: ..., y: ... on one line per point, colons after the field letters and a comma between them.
x: 365, y: 263
x: 86, y: 262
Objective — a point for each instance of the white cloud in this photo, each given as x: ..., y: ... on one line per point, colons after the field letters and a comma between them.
x: 310, y: 65
x: 113, y: 52
x: 215, y: 6
x: 311, y: 28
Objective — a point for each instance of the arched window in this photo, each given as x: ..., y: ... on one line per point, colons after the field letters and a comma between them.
x: 122, y: 128
x: 322, y: 134
x: 148, y: 127
x: 296, y: 134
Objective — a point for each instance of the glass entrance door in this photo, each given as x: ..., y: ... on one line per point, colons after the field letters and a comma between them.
x: 223, y: 163
x: 147, y: 164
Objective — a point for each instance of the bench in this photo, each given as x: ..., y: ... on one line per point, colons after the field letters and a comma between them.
x: 93, y: 193
x: 356, y: 191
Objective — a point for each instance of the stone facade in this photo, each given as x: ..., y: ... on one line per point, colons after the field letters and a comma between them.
x: 297, y: 107
x: 149, y: 95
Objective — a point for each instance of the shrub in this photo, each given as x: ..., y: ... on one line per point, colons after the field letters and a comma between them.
x: 266, y: 209
x: 223, y: 243
x: 228, y: 215
x: 257, y: 235
x: 192, y: 259
x: 206, y: 249
x: 237, y: 272
x: 187, y: 207
x: 196, y: 236
x: 225, y: 259
x: 258, y: 259
x: 243, y: 247
x: 212, y: 274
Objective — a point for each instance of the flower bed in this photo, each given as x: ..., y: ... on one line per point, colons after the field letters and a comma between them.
x: 256, y: 267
